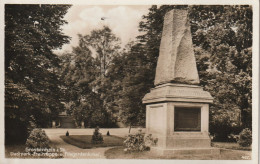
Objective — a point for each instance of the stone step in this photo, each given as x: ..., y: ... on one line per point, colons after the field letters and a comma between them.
x: 67, y: 122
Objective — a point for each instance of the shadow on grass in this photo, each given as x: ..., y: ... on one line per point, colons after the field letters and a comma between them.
x: 118, y: 153
x: 84, y: 141
x: 230, y: 145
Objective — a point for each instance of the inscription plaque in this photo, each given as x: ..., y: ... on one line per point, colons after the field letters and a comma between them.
x: 187, y: 119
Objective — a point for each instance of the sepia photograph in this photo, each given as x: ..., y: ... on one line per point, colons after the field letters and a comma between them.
x: 129, y: 81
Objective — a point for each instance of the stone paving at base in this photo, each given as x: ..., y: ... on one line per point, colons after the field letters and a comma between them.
x: 71, y: 151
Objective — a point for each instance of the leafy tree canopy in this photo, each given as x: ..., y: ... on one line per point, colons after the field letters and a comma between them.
x: 86, y: 73
x: 31, y: 33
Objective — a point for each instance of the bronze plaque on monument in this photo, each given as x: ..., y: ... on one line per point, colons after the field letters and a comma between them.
x: 187, y: 119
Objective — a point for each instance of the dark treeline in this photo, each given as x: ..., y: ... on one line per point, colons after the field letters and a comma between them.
x: 33, y: 95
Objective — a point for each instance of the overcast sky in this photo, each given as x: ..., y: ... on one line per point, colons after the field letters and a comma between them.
x: 123, y: 20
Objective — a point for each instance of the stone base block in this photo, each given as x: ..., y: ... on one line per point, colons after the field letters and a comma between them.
x: 186, y: 151
x: 181, y: 140
x: 188, y: 140
x: 187, y: 143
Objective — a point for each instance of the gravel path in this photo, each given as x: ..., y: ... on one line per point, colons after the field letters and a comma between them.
x: 71, y: 151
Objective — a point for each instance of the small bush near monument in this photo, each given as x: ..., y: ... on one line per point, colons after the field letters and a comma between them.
x: 38, y: 139
x: 108, y: 134
x: 150, y: 141
x: 67, y: 133
x: 97, y: 137
x: 138, y: 142
x: 245, y: 138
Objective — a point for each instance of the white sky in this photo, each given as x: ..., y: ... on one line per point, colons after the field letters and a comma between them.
x: 123, y: 21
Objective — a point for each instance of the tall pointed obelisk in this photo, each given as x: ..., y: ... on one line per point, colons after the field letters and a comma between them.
x: 177, y: 109
x: 176, y: 62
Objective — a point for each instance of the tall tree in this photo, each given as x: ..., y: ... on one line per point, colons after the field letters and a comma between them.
x: 226, y: 38
x: 31, y: 33
x: 79, y: 72
x: 104, y: 44
x: 88, y: 77
x: 135, y: 83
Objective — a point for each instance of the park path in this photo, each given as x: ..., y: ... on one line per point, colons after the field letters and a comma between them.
x: 71, y: 151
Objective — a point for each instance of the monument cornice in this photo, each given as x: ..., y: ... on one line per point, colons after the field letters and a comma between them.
x: 177, y: 93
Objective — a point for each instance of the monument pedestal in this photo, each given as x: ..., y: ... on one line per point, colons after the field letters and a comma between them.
x: 178, y: 115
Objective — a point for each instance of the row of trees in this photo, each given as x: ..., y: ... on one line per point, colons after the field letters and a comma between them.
x: 102, y: 83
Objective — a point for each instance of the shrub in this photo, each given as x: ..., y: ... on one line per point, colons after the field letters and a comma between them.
x: 37, y: 139
x: 233, y: 137
x: 67, y: 133
x: 108, y: 134
x: 245, y: 138
x: 150, y: 141
x: 97, y: 137
x: 222, y: 126
x: 138, y: 142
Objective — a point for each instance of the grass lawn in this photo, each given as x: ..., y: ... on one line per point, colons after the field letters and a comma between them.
x: 118, y: 153
x: 230, y: 145
x: 84, y: 141
x: 13, y: 148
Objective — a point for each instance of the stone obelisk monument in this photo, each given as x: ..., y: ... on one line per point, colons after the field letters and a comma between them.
x: 177, y: 109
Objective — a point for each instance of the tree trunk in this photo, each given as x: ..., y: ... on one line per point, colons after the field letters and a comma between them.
x: 130, y: 129
x: 246, y: 119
